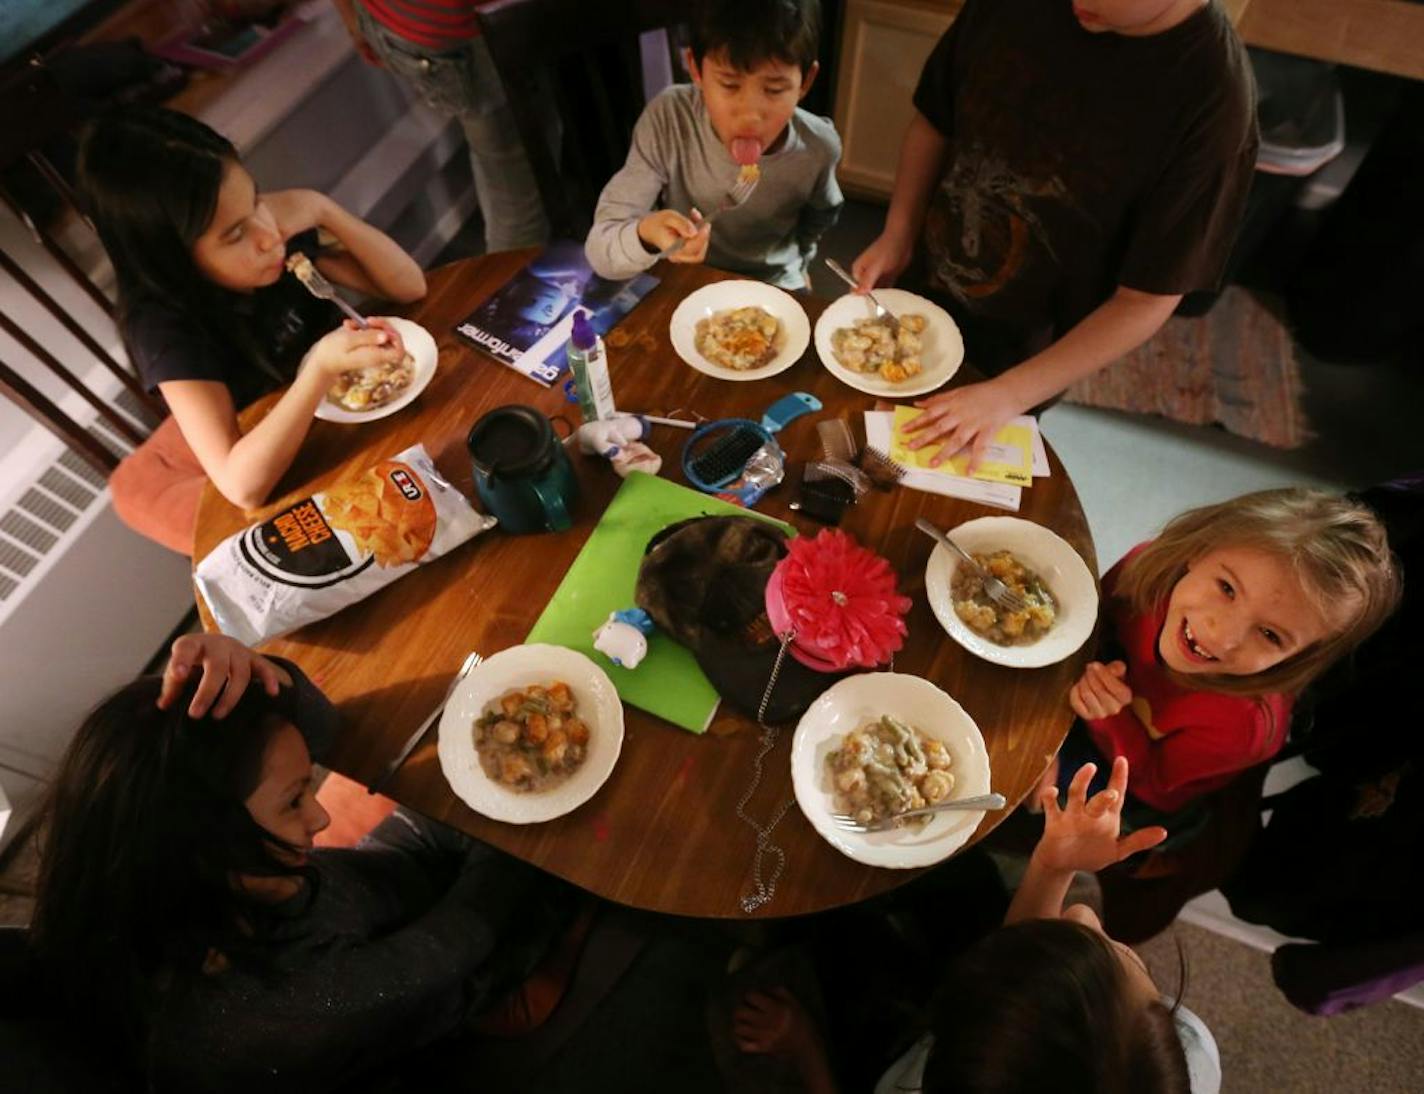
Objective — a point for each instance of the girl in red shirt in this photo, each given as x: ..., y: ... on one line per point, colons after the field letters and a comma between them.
x: 1220, y: 622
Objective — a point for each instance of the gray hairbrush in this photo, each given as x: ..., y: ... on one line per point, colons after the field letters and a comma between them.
x: 848, y: 473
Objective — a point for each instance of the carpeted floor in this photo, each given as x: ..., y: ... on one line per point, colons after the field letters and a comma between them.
x: 1235, y: 366
x: 1269, y: 1047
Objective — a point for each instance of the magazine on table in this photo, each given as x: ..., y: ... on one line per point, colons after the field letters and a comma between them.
x: 526, y: 323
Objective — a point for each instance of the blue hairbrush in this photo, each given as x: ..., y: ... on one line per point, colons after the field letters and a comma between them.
x: 717, y: 452
x: 715, y: 457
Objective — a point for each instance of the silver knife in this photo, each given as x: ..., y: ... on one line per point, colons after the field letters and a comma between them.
x: 406, y: 749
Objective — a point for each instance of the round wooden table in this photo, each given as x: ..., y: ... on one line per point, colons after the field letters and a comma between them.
x: 662, y: 833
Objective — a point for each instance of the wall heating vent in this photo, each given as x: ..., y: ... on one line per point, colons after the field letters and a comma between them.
x: 35, y: 525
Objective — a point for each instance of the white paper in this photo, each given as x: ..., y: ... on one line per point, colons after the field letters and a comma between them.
x: 878, y: 424
x: 1040, y: 454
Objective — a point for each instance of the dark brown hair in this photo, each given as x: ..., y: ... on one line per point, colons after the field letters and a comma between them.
x: 145, y: 831
x: 150, y: 178
x: 752, y: 32
x: 1044, y: 1005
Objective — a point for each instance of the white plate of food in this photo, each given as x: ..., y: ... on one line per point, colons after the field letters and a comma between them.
x: 1037, y: 560
x: 740, y: 330
x: 825, y: 754
x: 531, y: 734
x: 858, y: 350
x: 383, y: 390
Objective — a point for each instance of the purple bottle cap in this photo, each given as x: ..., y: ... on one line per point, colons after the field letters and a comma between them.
x: 584, y: 335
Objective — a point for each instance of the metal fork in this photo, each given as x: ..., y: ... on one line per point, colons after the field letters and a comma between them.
x: 994, y: 589
x: 322, y: 289
x: 740, y: 191
x: 877, y: 309
x: 406, y: 749
x: 983, y: 801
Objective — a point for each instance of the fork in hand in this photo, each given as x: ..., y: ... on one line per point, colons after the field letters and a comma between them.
x: 322, y: 289
x: 848, y: 822
x: 994, y: 589
x: 740, y: 191
x: 881, y: 313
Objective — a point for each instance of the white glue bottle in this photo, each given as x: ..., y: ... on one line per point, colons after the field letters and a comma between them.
x: 589, y: 363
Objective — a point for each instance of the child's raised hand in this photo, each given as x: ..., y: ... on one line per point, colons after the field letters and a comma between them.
x: 1101, y: 691
x: 227, y: 667
x: 660, y: 230
x: 349, y: 347
x: 1085, y: 835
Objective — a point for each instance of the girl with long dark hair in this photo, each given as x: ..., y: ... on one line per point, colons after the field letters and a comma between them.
x: 211, y: 319
x: 185, y: 922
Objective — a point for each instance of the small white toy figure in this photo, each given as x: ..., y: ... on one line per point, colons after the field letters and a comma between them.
x: 623, y: 639
x: 619, y: 440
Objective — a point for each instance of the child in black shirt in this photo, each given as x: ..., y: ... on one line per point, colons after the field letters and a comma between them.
x: 1071, y: 171
x: 209, y: 318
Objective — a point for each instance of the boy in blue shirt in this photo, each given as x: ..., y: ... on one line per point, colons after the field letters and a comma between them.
x: 752, y: 61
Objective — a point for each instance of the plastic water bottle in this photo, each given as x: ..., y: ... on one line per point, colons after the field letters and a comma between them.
x: 589, y: 363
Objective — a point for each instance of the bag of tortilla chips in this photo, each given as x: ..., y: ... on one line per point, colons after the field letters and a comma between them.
x: 332, y: 549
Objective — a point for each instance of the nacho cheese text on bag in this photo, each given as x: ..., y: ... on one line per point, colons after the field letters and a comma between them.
x: 314, y: 557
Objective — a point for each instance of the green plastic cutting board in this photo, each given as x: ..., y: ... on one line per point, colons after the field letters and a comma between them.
x: 601, y: 580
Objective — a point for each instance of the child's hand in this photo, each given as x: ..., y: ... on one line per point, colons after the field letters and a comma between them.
x: 774, y: 1023
x: 349, y: 347
x: 1101, y: 692
x: 1084, y: 836
x: 295, y: 211
x: 964, y: 418
x: 1034, y: 802
x: 228, y: 667
x: 883, y: 261
x: 377, y: 322
x: 662, y: 229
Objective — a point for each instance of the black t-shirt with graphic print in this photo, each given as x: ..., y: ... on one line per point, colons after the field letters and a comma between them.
x: 272, y: 329
x: 1079, y: 162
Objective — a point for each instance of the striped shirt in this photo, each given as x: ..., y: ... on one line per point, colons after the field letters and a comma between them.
x: 434, y: 24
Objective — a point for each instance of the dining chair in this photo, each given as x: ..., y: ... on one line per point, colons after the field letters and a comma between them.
x: 37, y: 110
x: 601, y: 63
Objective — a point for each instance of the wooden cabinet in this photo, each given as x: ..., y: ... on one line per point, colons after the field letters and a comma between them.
x: 1381, y: 35
x: 884, y: 44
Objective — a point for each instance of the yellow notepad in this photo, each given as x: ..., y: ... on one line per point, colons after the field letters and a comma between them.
x: 1009, y: 458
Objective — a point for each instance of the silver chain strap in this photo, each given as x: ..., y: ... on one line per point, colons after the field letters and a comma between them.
x: 763, y: 890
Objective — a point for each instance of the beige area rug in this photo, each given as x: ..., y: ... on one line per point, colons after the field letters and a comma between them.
x: 1235, y: 366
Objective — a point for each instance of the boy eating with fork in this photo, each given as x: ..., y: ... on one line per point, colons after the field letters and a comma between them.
x: 733, y: 147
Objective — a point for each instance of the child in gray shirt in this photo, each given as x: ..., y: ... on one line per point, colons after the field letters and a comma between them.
x: 751, y: 62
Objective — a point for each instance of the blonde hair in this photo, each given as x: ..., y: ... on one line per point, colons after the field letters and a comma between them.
x: 1336, y: 546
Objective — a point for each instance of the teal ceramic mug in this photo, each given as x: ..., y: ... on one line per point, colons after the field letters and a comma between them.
x: 522, y: 473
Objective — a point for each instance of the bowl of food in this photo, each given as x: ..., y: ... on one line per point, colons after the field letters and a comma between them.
x: 1059, y: 592
x: 740, y: 330
x: 876, y: 743
x: 531, y: 734
x: 867, y: 354
x: 363, y: 395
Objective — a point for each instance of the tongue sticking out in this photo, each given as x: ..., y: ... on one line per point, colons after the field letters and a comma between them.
x: 746, y: 150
